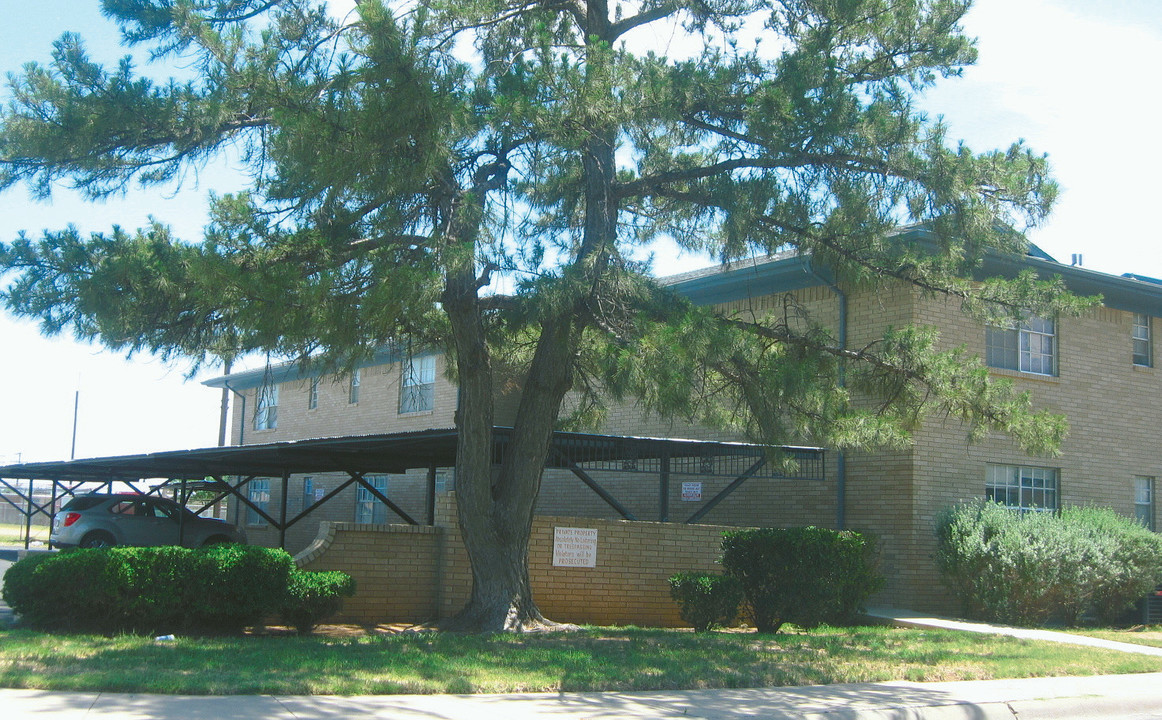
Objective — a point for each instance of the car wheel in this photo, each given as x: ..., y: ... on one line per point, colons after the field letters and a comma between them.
x: 216, y: 540
x: 98, y: 540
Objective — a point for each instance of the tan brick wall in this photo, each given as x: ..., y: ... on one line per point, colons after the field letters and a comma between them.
x: 376, y: 412
x: 1113, y: 412
x: 1111, y: 404
x: 403, y: 573
x: 396, y: 569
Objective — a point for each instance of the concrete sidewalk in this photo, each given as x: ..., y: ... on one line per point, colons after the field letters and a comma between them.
x: 1130, y: 697
x: 908, y: 618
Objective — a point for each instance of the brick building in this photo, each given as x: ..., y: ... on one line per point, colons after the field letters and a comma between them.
x: 1099, y: 369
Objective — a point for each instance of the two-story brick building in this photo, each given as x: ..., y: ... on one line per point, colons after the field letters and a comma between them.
x: 1099, y: 369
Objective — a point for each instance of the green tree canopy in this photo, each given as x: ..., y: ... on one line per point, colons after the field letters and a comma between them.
x: 484, y: 176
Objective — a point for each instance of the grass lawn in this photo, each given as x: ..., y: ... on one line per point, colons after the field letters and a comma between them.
x: 593, y: 659
x: 14, y: 534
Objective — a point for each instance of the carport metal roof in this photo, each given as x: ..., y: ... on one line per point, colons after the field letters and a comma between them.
x: 399, y: 452
x: 360, y: 455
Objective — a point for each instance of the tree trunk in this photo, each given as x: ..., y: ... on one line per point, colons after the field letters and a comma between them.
x: 495, y: 506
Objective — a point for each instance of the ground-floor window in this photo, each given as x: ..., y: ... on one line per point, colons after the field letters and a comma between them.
x: 368, y: 509
x: 1022, y: 487
x: 258, y: 492
x: 1144, y: 500
x: 308, y: 491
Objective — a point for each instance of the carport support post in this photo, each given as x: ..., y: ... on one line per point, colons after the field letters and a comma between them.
x: 664, y: 490
x: 182, y: 517
x: 282, y: 515
x: 28, y: 518
x: 431, y: 499
x: 52, y: 510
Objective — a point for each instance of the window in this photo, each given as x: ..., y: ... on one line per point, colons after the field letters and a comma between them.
x: 1141, y: 337
x: 1022, y: 488
x: 313, y: 394
x: 1028, y: 346
x: 353, y: 393
x: 368, y: 508
x: 1144, y: 500
x: 308, y: 491
x: 417, y: 384
x: 258, y: 493
x: 266, y: 407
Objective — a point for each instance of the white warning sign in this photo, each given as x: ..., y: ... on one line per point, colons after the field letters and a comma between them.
x: 574, y: 547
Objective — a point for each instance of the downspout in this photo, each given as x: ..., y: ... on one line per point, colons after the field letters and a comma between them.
x: 241, y: 436
x: 241, y: 425
x: 224, y: 411
x: 841, y: 380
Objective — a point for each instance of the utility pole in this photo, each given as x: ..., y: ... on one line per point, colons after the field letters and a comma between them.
x: 76, y: 406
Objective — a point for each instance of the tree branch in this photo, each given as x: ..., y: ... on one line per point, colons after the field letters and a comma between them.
x: 621, y: 27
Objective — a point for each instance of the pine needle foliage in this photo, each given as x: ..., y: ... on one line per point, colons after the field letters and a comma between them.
x: 483, y: 177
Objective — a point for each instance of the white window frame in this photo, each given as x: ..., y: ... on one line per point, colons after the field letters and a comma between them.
x: 266, y: 407
x: 1144, y: 500
x: 1029, y: 346
x: 353, y: 388
x: 1141, y: 336
x: 1023, y: 487
x: 368, y: 509
x: 258, y: 493
x: 417, y: 387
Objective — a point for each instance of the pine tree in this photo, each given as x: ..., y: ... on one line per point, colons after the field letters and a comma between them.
x: 479, y: 176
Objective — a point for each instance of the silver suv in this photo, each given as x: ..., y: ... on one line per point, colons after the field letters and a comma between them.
x: 95, y: 521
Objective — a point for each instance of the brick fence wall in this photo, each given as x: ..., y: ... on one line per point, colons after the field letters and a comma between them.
x: 414, y: 574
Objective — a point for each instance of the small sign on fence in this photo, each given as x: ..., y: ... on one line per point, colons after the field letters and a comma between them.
x: 691, y: 492
x: 574, y: 547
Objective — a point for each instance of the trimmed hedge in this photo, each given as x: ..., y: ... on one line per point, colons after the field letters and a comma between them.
x: 1037, y: 567
x: 314, y: 596
x: 217, y: 589
x: 807, y: 575
x: 706, y: 600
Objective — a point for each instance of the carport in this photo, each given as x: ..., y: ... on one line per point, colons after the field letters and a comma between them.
x: 226, y: 471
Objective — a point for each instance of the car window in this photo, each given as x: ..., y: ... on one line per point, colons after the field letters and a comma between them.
x: 163, y: 510
x: 84, y: 502
x: 125, y: 507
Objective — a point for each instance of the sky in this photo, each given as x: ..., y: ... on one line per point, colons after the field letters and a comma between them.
x: 1074, y: 78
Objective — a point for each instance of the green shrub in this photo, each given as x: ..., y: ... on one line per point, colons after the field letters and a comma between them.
x: 247, y: 583
x: 313, y: 597
x: 807, y: 576
x: 146, y: 590
x: 1036, y: 567
x: 76, y: 591
x: 706, y: 600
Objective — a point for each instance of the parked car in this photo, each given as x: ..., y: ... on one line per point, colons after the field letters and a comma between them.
x: 95, y: 521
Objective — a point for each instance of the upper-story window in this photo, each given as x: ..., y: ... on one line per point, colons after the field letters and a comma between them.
x: 1022, y: 488
x: 1143, y: 354
x: 353, y: 391
x: 313, y: 394
x: 417, y: 384
x: 266, y: 407
x: 1028, y: 346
